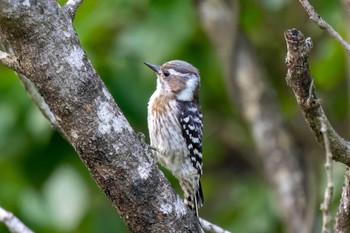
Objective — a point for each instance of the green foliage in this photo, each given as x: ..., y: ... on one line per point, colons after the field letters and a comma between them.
x: 46, y: 185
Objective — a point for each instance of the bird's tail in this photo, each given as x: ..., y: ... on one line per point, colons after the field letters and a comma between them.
x: 195, y: 200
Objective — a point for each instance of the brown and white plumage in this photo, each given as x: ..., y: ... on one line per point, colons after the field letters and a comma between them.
x: 175, y: 126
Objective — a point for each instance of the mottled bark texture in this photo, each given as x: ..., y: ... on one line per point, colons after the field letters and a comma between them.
x: 249, y: 87
x: 342, y: 224
x: 47, y: 51
x: 298, y: 78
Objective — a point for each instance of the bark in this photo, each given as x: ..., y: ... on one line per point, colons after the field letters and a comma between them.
x: 298, y: 78
x: 248, y: 83
x: 274, y: 143
x: 342, y: 224
x: 47, y: 51
x: 327, y: 220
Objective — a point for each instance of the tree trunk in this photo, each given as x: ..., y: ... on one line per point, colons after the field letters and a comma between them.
x: 47, y: 51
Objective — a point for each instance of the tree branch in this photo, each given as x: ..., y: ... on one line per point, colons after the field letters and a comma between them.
x: 328, y: 195
x: 210, y: 227
x: 316, y: 18
x: 33, y: 93
x: 259, y: 107
x: 39, y: 101
x: 298, y: 78
x: 45, y: 44
x: 72, y: 6
x: 342, y: 221
x: 13, y: 223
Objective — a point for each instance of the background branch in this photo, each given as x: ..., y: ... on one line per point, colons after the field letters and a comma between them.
x: 13, y: 223
x: 298, y: 78
x: 72, y: 6
x: 33, y: 93
x: 328, y: 195
x: 316, y: 18
x: 342, y: 221
x: 210, y: 227
x: 250, y: 89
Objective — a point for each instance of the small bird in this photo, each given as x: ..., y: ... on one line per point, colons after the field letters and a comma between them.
x: 175, y: 126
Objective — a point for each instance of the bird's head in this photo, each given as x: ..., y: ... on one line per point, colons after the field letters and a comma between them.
x: 178, y: 78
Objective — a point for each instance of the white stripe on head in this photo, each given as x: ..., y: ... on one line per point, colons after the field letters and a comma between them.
x: 174, y: 72
x: 191, y: 85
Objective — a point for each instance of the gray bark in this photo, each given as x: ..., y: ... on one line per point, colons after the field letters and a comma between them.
x: 342, y: 223
x: 298, y: 78
x: 47, y: 51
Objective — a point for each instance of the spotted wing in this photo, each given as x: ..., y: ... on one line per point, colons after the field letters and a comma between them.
x: 190, y: 118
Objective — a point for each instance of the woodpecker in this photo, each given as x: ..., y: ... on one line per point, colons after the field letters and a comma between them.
x: 175, y: 126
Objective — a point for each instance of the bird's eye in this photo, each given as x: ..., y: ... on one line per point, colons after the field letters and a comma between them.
x: 166, y: 73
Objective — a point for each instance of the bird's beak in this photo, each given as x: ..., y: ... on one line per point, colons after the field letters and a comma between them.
x: 153, y: 67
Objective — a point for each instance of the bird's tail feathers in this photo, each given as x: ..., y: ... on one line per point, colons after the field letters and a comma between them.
x: 195, y: 200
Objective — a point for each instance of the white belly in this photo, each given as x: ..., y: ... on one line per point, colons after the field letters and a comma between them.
x: 166, y: 137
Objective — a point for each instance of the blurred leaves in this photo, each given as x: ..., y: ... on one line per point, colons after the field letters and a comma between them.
x: 329, y: 65
x: 45, y: 184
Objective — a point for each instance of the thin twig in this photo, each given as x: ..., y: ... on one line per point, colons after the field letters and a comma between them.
x: 72, y: 6
x: 316, y: 18
x: 328, y: 195
x: 210, y: 227
x: 13, y: 223
x: 39, y: 101
x: 33, y: 92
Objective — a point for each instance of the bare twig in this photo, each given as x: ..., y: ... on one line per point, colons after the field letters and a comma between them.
x: 210, y: 227
x: 298, y: 78
x: 39, y: 101
x: 72, y: 6
x: 328, y: 195
x: 316, y: 18
x: 34, y: 94
x: 13, y: 223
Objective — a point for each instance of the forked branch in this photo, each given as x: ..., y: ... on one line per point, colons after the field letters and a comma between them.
x: 299, y: 79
